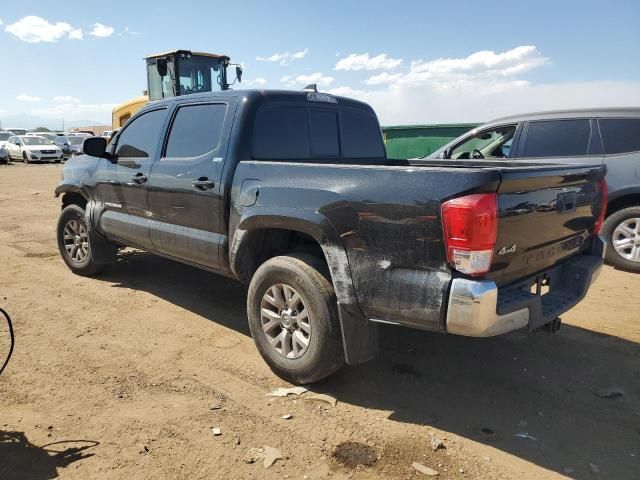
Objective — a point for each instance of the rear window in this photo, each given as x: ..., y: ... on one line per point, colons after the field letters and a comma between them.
x: 302, y: 133
x: 361, y: 136
x: 196, y: 130
x: 620, y: 135
x: 281, y: 133
x: 558, y: 138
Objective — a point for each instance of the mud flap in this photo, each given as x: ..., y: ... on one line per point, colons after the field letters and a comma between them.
x: 102, y: 251
x: 359, y: 337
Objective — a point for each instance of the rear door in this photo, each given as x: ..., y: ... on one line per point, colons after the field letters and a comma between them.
x: 185, y: 194
x: 121, y: 185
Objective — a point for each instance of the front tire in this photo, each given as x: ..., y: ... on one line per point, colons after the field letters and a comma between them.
x: 24, y: 158
x: 293, y: 317
x: 622, y: 232
x: 74, y: 242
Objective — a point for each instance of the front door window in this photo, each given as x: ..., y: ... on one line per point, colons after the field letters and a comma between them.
x: 492, y: 143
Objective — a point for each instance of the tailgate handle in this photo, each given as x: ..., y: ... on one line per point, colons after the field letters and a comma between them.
x: 567, y: 202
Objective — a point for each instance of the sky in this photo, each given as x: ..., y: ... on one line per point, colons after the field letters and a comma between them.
x: 415, y: 62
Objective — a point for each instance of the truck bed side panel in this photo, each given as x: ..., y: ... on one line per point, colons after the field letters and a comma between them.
x: 388, y: 220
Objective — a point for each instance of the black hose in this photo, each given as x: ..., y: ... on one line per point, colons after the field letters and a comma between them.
x: 6, y: 315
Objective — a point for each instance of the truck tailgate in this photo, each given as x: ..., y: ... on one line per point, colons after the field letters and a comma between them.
x: 544, y: 216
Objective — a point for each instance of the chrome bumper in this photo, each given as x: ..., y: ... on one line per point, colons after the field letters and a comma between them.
x: 474, y: 304
x: 472, y: 310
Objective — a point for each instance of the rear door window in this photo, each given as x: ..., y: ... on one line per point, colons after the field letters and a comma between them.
x: 620, y: 135
x: 557, y: 138
x: 196, y: 130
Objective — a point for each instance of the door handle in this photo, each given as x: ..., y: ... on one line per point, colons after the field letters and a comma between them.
x: 139, y: 178
x: 203, y: 183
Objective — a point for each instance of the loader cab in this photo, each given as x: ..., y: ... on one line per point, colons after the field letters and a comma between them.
x: 183, y: 72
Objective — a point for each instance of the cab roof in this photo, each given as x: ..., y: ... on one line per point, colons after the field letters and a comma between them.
x: 177, y: 52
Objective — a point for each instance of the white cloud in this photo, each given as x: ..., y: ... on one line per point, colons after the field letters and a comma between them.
x: 407, y: 104
x: 484, y: 64
x: 99, y: 30
x: 348, y: 92
x: 383, y: 78
x: 76, y: 111
x: 34, y: 29
x: 66, y: 98
x: 284, y: 58
x: 76, y: 34
x: 258, y: 81
x: 0, y: 21
x: 364, y: 62
x: 317, y: 78
x: 23, y: 97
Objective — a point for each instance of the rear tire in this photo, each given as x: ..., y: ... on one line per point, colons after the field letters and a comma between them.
x: 622, y: 233
x: 74, y: 243
x: 309, y: 314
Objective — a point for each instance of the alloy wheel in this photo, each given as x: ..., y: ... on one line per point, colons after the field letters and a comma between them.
x: 285, y: 321
x: 626, y: 239
x: 76, y: 241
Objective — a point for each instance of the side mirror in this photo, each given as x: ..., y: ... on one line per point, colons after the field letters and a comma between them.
x: 239, y: 73
x: 161, y: 66
x: 95, y: 146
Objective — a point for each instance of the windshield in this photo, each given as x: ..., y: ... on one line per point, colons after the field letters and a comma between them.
x: 4, y: 136
x: 35, y: 141
x: 76, y: 140
x: 196, y: 74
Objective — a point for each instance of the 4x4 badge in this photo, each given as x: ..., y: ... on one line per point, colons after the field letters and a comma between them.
x: 505, y: 250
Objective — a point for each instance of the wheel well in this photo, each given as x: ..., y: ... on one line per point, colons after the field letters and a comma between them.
x: 623, y: 202
x: 263, y: 244
x: 73, y: 198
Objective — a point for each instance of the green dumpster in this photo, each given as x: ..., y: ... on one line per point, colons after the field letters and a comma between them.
x: 410, y: 141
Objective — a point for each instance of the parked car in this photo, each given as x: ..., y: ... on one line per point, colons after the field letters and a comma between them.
x: 609, y: 136
x: 33, y: 149
x: 4, y: 154
x: 75, y: 144
x: 292, y: 194
x: 16, y: 131
x: 107, y: 134
x: 48, y: 135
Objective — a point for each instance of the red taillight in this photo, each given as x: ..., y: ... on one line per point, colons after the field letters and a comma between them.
x: 602, y: 189
x: 470, y: 228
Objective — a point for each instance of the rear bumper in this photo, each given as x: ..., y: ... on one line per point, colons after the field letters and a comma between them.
x: 479, y: 308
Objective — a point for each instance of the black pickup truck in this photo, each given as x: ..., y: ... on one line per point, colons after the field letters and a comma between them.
x: 292, y: 194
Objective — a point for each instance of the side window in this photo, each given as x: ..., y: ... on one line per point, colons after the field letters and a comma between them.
x: 361, y: 136
x: 620, y: 135
x: 281, y: 133
x: 324, y: 133
x: 558, y: 138
x: 492, y: 143
x: 141, y: 137
x: 196, y: 130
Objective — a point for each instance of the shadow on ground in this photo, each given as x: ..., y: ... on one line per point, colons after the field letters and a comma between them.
x: 530, y: 396
x: 20, y: 459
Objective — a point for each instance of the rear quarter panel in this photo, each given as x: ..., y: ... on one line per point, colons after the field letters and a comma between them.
x: 387, y: 220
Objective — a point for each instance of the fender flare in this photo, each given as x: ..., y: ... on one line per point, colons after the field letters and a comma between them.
x: 73, y: 186
x: 359, y: 336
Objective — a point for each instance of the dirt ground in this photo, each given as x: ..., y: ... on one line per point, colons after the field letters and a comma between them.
x: 112, y: 377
